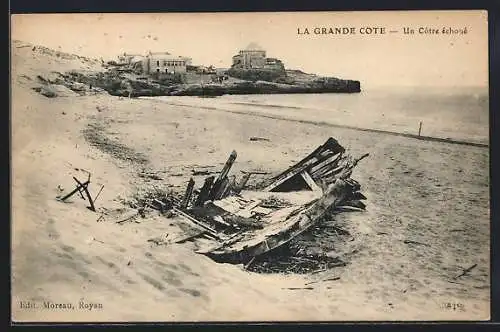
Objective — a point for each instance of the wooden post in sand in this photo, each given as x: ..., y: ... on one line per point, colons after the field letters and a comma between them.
x: 420, y: 128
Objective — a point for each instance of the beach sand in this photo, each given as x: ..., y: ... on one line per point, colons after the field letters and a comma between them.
x: 432, y: 193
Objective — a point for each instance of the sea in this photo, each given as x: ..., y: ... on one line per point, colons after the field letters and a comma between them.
x: 460, y: 114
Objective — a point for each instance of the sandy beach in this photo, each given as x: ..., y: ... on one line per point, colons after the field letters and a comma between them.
x: 427, y: 215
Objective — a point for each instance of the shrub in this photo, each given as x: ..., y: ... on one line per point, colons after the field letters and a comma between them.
x: 256, y: 74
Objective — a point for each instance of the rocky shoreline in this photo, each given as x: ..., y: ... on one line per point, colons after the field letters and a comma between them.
x: 125, y: 85
x: 261, y: 87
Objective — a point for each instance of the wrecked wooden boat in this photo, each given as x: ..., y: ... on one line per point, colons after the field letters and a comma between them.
x: 245, y: 224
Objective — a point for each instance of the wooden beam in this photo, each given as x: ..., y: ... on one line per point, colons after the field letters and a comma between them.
x: 198, y: 223
x: 284, y: 178
x: 85, y: 188
x: 310, y: 182
x: 320, y: 167
x: 190, y: 237
x: 218, y: 183
x: 188, y: 194
x: 329, y: 148
x: 228, y: 165
x: 205, y: 190
x: 222, y: 188
x: 77, y: 189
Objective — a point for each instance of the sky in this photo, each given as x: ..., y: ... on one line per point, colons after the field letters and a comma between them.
x: 390, y: 59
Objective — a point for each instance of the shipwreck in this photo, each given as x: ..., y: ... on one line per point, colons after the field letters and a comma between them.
x: 244, y: 223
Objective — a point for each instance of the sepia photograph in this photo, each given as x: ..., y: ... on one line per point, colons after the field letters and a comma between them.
x: 250, y: 167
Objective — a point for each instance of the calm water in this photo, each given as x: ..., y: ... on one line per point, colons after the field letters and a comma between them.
x: 460, y: 114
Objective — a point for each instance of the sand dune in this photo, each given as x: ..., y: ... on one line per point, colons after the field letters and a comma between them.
x: 431, y: 193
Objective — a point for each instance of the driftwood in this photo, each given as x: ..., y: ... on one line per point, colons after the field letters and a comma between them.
x: 298, y: 288
x: 97, y: 196
x: 415, y: 242
x: 79, y: 188
x: 259, y: 139
x: 128, y: 218
x: 465, y: 271
x: 329, y: 279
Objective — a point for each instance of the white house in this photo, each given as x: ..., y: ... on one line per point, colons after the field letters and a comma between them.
x: 165, y: 63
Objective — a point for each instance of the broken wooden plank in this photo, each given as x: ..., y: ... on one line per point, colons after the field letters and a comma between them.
x: 331, y: 171
x: 241, y: 185
x: 247, y: 265
x: 222, y: 188
x: 358, y: 196
x: 298, y: 288
x: 346, y: 208
x: 85, y: 188
x: 356, y: 161
x: 198, y: 223
x: 293, y: 171
x: 303, y: 259
x: 328, y: 279
x: 160, y: 205
x: 324, y: 165
x: 227, y: 190
x: 201, y: 172
x: 187, y: 194
x: 190, y: 237
x: 310, y: 182
x: 329, y: 148
x: 77, y: 189
x: 255, y: 172
x: 205, y: 190
x: 227, y: 167
x: 97, y: 196
x: 356, y: 204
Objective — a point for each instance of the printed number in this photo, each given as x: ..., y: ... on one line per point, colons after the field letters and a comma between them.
x: 453, y: 306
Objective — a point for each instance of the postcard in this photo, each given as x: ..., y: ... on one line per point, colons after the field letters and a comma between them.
x: 250, y: 167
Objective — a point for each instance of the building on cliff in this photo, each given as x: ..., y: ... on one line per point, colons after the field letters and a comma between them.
x: 164, y: 63
x: 128, y: 58
x: 254, y: 57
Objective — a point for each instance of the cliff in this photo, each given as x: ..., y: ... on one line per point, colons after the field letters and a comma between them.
x: 122, y: 85
x: 94, y: 76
